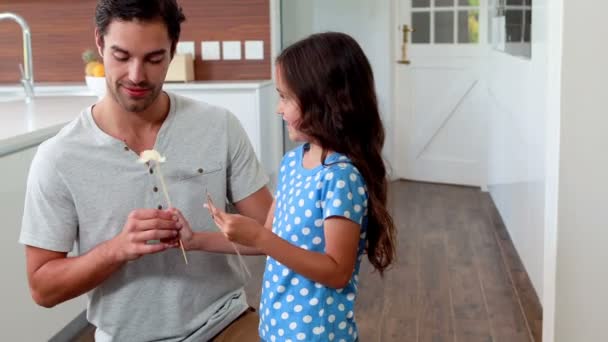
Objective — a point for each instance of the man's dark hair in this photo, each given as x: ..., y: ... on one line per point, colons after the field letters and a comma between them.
x: 168, y: 11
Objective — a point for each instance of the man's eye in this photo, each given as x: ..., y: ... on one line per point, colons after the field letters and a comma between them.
x: 121, y: 58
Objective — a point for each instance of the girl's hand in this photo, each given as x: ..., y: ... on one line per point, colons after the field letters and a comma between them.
x: 237, y: 228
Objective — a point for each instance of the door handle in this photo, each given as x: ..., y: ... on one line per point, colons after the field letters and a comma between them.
x: 405, y: 30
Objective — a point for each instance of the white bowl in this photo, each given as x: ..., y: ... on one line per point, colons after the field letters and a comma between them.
x: 97, y: 85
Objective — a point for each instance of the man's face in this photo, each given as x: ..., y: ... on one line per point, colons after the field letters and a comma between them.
x: 136, y: 56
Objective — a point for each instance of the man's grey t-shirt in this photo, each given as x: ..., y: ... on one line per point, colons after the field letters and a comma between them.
x: 82, y: 185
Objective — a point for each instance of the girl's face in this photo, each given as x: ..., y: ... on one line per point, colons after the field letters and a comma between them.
x: 289, y: 108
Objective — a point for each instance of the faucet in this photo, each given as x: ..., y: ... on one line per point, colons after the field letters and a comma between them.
x: 27, y: 74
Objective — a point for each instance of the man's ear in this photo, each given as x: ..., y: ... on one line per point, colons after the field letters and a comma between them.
x: 99, y: 41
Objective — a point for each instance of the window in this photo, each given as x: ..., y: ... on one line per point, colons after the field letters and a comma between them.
x: 512, y: 20
x: 445, y: 21
x: 518, y: 20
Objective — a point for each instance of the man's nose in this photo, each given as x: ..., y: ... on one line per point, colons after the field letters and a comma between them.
x: 136, y: 72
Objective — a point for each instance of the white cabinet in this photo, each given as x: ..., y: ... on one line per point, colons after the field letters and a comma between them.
x: 22, y: 319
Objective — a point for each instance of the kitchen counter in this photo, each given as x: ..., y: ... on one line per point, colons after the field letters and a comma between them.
x: 24, y: 125
x: 76, y: 88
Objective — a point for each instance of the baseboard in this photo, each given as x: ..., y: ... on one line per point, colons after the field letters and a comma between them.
x: 526, y: 294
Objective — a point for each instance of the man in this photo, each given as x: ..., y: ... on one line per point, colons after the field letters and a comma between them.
x: 85, y: 186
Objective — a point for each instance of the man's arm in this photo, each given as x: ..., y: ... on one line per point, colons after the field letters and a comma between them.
x: 257, y: 206
x: 55, y: 278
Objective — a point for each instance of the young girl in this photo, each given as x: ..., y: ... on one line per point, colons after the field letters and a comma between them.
x: 330, y: 204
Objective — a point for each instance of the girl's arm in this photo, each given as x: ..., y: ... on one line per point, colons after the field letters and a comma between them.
x: 216, y: 242
x: 333, y: 268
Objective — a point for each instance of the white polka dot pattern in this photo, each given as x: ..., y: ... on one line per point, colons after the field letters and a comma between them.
x: 294, y: 307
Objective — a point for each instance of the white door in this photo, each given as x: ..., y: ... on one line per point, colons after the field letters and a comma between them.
x: 439, y: 124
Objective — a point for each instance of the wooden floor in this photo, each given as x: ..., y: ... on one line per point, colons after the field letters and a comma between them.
x: 457, y: 278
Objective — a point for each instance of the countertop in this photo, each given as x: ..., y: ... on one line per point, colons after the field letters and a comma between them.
x: 24, y: 125
x: 81, y: 88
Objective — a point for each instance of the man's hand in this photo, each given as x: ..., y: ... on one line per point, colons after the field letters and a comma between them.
x: 185, y: 232
x: 142, y: 226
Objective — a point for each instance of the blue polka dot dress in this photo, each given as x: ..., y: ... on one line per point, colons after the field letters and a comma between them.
x: 293, y: 307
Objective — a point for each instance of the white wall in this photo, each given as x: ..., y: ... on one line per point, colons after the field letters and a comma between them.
x: 517, y: 111
x: 581, y: 298
x: 296, y: 20
x: 554, y: 80
x: 369, y: 22
x: 22, y: 319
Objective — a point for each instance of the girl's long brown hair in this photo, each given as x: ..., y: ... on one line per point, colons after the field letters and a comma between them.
x: 332, y: 80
